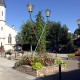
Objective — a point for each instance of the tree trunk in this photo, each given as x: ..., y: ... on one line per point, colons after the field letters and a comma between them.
x: 31, y: 48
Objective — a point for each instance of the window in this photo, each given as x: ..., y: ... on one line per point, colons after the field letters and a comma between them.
x: 1, y: 28
x: 2, y: 13
x: 9, y: 39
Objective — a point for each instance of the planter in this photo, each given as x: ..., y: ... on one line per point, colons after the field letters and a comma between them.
x: 48, y: 70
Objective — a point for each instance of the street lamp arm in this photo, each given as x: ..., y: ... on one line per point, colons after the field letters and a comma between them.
x: 31, y: 17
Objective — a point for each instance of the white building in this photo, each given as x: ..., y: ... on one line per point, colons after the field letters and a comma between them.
x: 7, y: 33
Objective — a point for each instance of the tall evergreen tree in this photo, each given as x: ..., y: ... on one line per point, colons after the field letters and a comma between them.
x: 39, y: 28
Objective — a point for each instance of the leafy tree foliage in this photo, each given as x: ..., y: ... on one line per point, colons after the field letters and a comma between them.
x: 64, y: 36
x: 54, y: 35
x: 58, y: 37
x: 77, y: 38
x: 27, y: 34
x: 77, y: 31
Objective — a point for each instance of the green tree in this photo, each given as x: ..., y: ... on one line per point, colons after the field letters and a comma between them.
x: 53, y: 33
x: 39, y: 28
x: 48, y: 27
x: 70, y: 46
x: 77, y: 32
x: 77, y: 38
x: 27, y: 34
x: 59, y: 36
x: 64, y: 35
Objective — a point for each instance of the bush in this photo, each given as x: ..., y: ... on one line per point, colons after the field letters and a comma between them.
x: 31, y: 60
x: 37, y: 65
x: 44, y: 61
x: 22, y: 61
x: 58, y: 61
x: 48, y: 62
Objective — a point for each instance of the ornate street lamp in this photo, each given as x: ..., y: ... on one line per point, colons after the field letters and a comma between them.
x: 30, y: 10
x: 48, y: 12
x: 30, y: 7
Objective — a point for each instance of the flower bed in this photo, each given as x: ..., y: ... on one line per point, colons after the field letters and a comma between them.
x: 38, y: 66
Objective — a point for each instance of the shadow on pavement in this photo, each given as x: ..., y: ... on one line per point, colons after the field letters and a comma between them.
x: 70, y: 75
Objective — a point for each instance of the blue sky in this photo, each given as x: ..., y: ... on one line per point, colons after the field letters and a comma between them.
x: 65, y: 11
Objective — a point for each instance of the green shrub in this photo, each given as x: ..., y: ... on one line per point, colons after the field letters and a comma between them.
x: 37, y: 65
x: 22, y: 61
x: 59, y: 61
x: 62, y: 62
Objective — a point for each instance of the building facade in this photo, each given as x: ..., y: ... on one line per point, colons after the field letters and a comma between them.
x: 7, y: 33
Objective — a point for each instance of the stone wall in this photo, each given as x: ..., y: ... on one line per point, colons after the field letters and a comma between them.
x: 49, y: 70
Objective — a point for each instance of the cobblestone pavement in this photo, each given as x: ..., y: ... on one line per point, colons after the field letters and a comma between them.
x: 7, y: 73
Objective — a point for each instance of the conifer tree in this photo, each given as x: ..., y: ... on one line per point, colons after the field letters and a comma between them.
x: 40, y: 24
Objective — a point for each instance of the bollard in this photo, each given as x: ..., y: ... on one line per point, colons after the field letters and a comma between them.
x: 15, y: 54
x: 5, y: 55
x: 60, y: 72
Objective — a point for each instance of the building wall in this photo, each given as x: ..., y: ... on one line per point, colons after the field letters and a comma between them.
x: 2, y: 24
x: 10, y: 31
x: 2, y: 13
x: 4, y: 34
x: 6, y: 30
